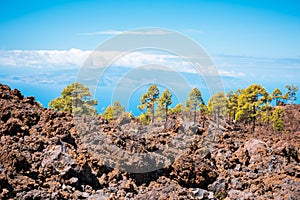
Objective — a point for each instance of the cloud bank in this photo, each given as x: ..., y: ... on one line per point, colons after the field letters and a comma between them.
x: 43, y: 58
x: 75, y: 58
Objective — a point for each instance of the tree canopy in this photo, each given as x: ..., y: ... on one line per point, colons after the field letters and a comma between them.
x: 250, y: 103
x: 277, y: 119
x: 179, y: 108
x: 243, y: 105
x: 149, y: 99
x: 195, y: 101
x: 76, y: 99
x: 165, y: 101
x: 217, y: 106
x: 291, y: 95
x: 232, y: 103
x: 113, y: 112
x: 276, y: 94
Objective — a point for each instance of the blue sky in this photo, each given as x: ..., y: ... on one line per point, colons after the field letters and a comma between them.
x: 248, y: 28
x: 43, y: 43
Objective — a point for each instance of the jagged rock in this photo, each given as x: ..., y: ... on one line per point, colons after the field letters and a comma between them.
x: 240, y: 195
x: 255, y: 146
x: 124, y: 120
x: 218, y: 186
x: 164, y: 188
x: 236, y: 184
x: 192, y: 171
x: 196, y: 130
x: 202, y: 194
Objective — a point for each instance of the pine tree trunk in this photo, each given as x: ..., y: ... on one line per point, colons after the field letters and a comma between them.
x: 234, y: 113
x: 195, y: 116
x: 152, y: 120
x: 253, y: 119
x: 218, y: 118
x: 253, y: 124
x: 203, y: 121
x: 166, y: 113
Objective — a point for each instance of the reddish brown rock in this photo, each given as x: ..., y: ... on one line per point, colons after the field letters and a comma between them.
x: 45, y: 154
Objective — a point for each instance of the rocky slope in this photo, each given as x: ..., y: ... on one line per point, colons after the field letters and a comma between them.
x: 44, y: 155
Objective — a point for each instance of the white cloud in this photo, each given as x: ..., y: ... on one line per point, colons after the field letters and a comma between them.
x: 43, y: 58
x: 231, y: 73
x: 74, y: 58
x: 158, y: 61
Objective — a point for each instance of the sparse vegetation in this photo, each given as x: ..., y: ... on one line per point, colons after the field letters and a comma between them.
x: 165, y: 101
x: 217, y: 106
x: 149, y: 100
x: 195, y: 102
x: 277, y: 95
x: 113, y: 112
x: 250, y: 104
x: 291, y: 94
x: 241, y: 106
x: 277, y: 119
x: 76, y: 99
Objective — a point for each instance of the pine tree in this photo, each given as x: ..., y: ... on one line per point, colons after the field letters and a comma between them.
x: 117, y: 109
x: 113, y: 112
x: 277, y: 119
x: 250, y: 103
x: 149, y: 100
x: 179, y: 108
x: 165, y: 101
x: 266, y: 113
x: 217, y: 106
x: 195, y: 102
x: 160, y: 113
x: 292, y: 89
x: 276, y: 94
x: 285, y: 97
x: 232, y: 103
x: 76, y: 99
x: 145, y: 118
x: 108, y: 113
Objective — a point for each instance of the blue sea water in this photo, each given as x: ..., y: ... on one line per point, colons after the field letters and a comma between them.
x: 47, y: 84
x: 44, y: 93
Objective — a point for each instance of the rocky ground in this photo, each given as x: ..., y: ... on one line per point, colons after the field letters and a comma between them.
x: 51, y: 155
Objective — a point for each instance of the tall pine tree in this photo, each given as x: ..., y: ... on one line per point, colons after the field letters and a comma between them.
x: 250, y: 103
x: 165, y: 101
x: 76, y: 99
x: 195, y: 102
x: 217, y: 106
x: 149, y: 99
